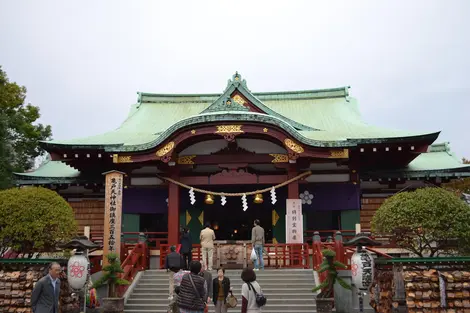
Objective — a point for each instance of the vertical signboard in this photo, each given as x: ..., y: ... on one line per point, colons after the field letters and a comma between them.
x: 294, y: 221
x: 112, y: 214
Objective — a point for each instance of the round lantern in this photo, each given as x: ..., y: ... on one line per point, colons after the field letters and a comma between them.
x: 77, y: 271
x: 362, y: 269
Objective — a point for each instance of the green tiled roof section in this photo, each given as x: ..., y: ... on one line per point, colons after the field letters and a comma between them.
x: 438, y: 157
x: 331, y: 111
x: 143, y: 125
x: 439, y: 161
x: 338, y: 118
x: 52, y: 169
x: 219, y: 105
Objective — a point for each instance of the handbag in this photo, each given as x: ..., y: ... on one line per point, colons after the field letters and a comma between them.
x: 206, y: 307
x: 253, y: 256
x: 231, y: 301
x: 259, y: 296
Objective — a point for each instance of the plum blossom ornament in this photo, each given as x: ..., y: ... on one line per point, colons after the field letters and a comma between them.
x: 306, y: 197
x: 223, y: 200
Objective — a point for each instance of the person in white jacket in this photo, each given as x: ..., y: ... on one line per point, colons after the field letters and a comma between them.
x: 249, y: 304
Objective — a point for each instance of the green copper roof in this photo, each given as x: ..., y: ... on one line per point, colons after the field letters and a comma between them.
x: 325, y: 118
x: 439, y: 161
x: 52, y: 169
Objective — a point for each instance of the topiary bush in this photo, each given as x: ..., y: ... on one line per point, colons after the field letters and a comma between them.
x: 34, y: 219
x: 427, y: 222
x: 111, y: 276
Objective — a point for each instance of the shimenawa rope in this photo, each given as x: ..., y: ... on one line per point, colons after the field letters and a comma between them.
x: 229, y: 194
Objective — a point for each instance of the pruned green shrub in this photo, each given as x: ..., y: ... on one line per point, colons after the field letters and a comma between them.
x: 34, y: 219
x: 427, y: 222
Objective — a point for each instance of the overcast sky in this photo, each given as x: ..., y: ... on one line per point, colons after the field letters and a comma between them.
x: 407, y: 62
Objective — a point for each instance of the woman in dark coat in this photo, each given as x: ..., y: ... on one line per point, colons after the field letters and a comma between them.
x: 220, y: 290
x: 186, y: 247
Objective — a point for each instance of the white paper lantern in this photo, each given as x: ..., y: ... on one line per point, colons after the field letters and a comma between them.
x: 362, y: 269
x: 77, y: 271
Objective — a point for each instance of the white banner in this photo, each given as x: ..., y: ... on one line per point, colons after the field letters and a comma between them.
x: 294, y: 221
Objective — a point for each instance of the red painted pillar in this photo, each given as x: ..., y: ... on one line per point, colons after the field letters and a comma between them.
x: 293, y: 193
x: 173, y: 213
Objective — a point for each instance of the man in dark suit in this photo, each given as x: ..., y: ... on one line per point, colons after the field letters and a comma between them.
x: 45, y: 296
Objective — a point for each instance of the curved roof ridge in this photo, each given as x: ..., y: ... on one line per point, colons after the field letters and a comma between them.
x: 290, y: 94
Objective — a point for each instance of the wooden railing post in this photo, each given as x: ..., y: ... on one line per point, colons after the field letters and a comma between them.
x: 317, y: 257
x: 339, y: 247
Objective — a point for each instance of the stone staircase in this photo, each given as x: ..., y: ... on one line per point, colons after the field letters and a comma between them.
x: 286, y: 291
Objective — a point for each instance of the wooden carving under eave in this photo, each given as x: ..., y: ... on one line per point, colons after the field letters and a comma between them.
x: 291, y: 145
x: 166, y: 149
x: 339, y: 154
x: 279, y: 158
x: 232, y: 175
x: 232, y: 148
x: 229, y: 131
x: 187, y: 159
x: 122, y: 158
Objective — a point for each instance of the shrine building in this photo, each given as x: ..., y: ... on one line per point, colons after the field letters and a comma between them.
x: 182, y: 160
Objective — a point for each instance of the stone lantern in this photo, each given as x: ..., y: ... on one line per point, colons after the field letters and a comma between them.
x: 78, y: 267
x: 362, y: 264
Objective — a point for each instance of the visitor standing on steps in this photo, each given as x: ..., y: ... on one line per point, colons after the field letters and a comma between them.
x: 173, y: 263
x: 258, y: 240
x: 186, y: 247
x: 193, y: 291
x: 250, y: 289
x: 221, y: 288
x: 208, y: 277
x: 177, y: 277
x: 207, y: 243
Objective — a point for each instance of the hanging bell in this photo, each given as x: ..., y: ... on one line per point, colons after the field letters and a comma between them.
x: 258, y: 198
x: 209, y: 199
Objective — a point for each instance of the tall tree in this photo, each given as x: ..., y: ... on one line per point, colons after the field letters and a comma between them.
x: 19, y: 131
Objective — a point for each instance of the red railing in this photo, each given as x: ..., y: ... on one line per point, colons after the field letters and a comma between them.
x: 165, y: 248
x: 136, y: 260
x: 277, y: 255
x: 287, y: 255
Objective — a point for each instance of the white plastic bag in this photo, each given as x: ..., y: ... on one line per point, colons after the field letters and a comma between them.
x: 254, y: 256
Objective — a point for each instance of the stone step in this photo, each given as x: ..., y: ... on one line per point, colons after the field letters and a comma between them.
x: 267, y: 270
x: 262, y: 280
x: 267, y: 291
x: 288, y: 291
x: 271, y: 295
x: 265, y: 310
x: 263, y: 284
x: 272, y: 301
x: 283, y: 307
